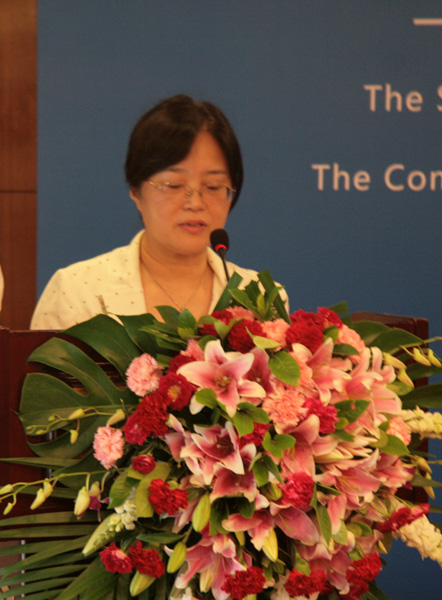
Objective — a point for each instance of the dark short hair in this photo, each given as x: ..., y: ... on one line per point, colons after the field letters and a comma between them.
x: 165, y: 134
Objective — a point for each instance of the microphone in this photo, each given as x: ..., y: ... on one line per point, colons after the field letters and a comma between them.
x: 219, y: 240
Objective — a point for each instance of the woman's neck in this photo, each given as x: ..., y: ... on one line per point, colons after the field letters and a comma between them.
x: 180, y: 281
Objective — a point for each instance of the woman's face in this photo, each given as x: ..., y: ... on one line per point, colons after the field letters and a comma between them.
x: 181, y: 226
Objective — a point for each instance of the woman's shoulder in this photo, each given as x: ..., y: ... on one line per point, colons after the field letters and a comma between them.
x: 115, y: 259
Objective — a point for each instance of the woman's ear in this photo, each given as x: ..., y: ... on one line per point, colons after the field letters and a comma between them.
x: 134, y: 193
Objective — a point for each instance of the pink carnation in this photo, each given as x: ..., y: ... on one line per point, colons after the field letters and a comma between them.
x: 285, y: 408
x: 108, y: 445
x: 143, y: 375
x: 239, y: 312
x: 400, y: 429
x: 193, y: 351
x: 276, y: 330
x: 352, y: 338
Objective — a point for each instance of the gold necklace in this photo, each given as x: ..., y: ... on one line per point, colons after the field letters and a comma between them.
x: 191, y: 297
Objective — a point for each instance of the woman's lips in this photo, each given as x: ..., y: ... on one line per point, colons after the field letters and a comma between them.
x: 193, y: 226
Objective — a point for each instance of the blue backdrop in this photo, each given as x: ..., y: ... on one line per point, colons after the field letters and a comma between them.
x: 338, y: 109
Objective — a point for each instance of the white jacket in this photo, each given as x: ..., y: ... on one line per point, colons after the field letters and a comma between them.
x: 110, y: 283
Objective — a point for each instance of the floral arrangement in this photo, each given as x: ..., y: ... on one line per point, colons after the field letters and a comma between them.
x: 249, y: 453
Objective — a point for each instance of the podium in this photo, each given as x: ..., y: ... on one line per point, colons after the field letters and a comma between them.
x: 15, y: 349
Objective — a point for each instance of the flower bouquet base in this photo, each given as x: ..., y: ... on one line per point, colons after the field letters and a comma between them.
x: 249, y: 454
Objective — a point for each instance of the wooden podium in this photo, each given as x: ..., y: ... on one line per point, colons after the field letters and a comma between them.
x: 15, y: 348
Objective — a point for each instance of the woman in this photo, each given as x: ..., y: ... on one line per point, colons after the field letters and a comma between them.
x: 184, y: 171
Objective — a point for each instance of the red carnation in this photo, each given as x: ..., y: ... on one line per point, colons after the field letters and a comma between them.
x: 176, y: 389
x: 299, y: 584
x: 149, y: 419
x: 165, y: 499
x: 209, y: 328
x: 144, y: 463
x: 309, y: 317
x: 305, y: 332
x: 239, y: 337
x: 256, y: 437
x: 145, y: 561
x: 298, y: 490
x: 178, y: 361
x: 329, y: 318
x: 328, y: 415
x: 360, y: 572
x: 115, y: 560
x: 243, y: 583
x: 402, y: 517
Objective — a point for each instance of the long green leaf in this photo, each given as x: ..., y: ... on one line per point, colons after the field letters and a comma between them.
x: 428, y: 396
x: 269, y: 285
x: 107, y: 337
x: 51, y: 549
x: 134, y: 326
x: 94, y: 573
x: 225, y: 298
x: 26, y: 589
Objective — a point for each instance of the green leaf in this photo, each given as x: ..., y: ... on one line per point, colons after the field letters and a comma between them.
x: 420, y: 481
x: 280, y: 442
x: 218, y: 513
x: 341, y: 308
x: 242, y: 298
x: 390, y: 444
x: 120, y: 490
x: 344, y: 350
x: 324, y: 522
x: 269, y: 285
x: 272, y: 467
x: 369, y: 330
x: 95, y: 575
x: 343, y: 435
x: 170, y: 315
x: 351, y: 410
x: 285, y: 368
x: 225, y: 298
x: 160, y: 538
x: 359, y: 529
x: 187, y: 320
x: 261, y: 473
x: 243, y: 423
x: 263, y: 342
x: 107, y: 337
x: 341, y: 537
x: 246, y: 508
x: 135, y: 328
x: 391, y: 340
x: 207, y: 396
x: 428, y: 396
x: 258, y: 415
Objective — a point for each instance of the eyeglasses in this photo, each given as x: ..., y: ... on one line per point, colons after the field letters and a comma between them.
x: 211, y: 191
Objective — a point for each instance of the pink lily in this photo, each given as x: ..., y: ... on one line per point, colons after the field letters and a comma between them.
x: 221, y: 444
x: 295, y: 523
x: 225, y: 374
x: 231, y: 483
x: 212, y: 558
x: 258, y: 526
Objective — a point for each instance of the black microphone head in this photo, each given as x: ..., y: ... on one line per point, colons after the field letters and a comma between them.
x: 219, y: 240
